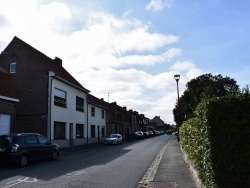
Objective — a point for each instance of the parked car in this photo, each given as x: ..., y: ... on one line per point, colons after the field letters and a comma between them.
x: 157, y: 133
x: 150, y: 133
x: 162, y: 132
x: 145, y: 134
x: 113, y: 139
x: 139, y: 134
x: 169, y: 132
x: 21, y: 148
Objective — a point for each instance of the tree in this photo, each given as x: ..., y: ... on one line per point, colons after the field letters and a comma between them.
x: 204, y: 86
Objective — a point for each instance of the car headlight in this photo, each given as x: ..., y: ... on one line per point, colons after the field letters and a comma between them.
x: 15, y: 148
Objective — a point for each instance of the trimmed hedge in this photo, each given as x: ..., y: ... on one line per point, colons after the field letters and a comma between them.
x: 217, y: 141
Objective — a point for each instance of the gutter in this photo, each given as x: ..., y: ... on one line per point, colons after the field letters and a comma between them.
x: 9, y: 98
x: 87, y: 123
x: 69, y: 83
x: 51, y: 76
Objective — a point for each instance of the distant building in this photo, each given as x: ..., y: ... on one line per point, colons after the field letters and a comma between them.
x: 159, y: 122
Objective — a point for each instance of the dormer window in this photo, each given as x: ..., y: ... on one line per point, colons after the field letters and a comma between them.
x: 13, y: 67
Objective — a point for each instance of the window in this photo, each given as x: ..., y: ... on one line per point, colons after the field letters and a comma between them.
x: 92, y: 131
x: 42, y: 140
x: 103, y: 131
x: 102, y: 113
x: 31, y: 140
x: 92, y: 111
x: 116, y: 129
x: 59, y: 130
x: 20, y: 141
x: 79, y: 104
x: 60, y: 98
x: 13, y: 67
x: 79, y: 130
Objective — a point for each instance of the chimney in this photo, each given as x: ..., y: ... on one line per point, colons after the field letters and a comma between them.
x: 58, y: 61
x: 102, y: 99
x: 124, y: 107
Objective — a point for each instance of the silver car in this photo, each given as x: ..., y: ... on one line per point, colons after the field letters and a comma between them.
x: 113, y: 139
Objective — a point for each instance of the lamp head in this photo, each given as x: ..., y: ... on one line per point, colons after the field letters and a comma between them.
x: 177, y: 77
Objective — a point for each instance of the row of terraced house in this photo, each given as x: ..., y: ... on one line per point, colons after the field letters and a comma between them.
x: 38, y: 95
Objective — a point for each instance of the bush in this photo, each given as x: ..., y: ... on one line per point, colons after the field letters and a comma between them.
x: 218, y: 141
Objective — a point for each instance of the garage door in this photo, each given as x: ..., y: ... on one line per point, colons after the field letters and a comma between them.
x: 4, y: 124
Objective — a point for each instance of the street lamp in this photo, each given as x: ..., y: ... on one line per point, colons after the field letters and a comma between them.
x: 177, y: 78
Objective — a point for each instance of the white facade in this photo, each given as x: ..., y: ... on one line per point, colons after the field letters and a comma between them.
x: 67, y: 115
x: 98, y: 121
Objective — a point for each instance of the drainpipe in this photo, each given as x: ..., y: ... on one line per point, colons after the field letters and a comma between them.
x: 87, y: 122
x: 14, y: 124
x: 51, y: 75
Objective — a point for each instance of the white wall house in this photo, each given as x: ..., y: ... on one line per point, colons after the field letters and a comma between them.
x: 67, y: 112
x: 96, y: 120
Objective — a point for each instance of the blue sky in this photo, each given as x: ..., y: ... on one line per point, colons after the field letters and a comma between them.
x: 132, y: 49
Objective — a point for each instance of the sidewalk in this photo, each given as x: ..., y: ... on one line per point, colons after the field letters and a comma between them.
x: 173, y: 171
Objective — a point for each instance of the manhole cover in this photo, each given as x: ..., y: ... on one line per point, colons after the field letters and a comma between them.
x: 169, y: 184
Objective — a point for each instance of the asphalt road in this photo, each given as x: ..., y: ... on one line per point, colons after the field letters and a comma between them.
x: 103, y: 166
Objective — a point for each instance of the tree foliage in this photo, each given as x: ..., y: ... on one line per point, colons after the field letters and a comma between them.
x: 204, y: 86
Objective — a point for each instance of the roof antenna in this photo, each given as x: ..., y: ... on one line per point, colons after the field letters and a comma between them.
x: 108, y: 97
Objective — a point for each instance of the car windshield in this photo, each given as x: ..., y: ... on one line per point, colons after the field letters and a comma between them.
x: 5, y: 140
x: 113, y: 136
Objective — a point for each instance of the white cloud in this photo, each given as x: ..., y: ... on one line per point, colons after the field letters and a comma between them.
x: 158, y: 5
x: 103, y: 51
x: 187, y: 71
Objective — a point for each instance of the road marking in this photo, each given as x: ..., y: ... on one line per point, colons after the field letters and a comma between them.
x: 76, y: 173
x: 150, y: 174
x: 12, y: 183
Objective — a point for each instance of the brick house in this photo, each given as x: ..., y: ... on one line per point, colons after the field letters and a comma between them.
x: 159, y: 122
x: 52, y: 102
x: 118, y: 120
x: 97, y: 114
x: 8, y: 102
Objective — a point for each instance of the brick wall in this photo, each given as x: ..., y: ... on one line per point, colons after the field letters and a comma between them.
x: 31, y: 80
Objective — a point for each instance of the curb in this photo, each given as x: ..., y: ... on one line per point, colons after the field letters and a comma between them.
x: 150, y: 174
x: 193, y: 170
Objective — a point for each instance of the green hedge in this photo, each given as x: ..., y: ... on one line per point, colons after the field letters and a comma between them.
x: 217, y: 141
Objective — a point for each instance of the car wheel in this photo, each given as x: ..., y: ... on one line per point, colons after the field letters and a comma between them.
x: 23, y: 161
x: 54, y: 155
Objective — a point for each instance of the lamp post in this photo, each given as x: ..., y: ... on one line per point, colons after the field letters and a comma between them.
x: 177, y: 78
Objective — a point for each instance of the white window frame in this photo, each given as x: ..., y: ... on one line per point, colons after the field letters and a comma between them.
x: 11, y: 67
x: 60, y: 98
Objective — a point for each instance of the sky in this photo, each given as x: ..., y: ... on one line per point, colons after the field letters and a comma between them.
x: 128, y: 51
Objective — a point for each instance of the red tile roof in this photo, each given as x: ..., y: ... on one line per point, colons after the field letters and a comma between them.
x: 51, y: 64
x: 98, y: 102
